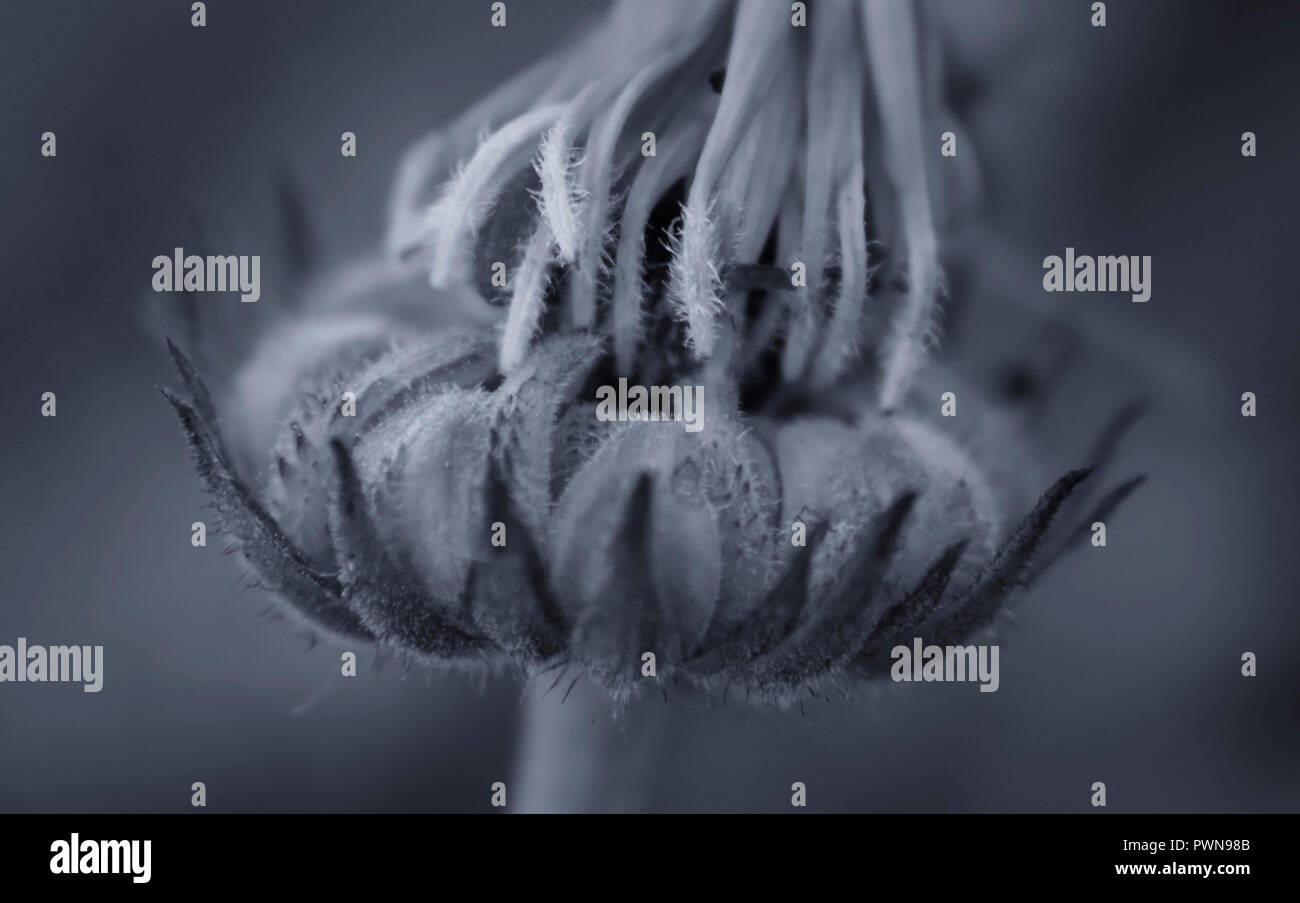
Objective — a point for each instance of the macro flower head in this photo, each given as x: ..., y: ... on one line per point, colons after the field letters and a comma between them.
x: 708, y: 194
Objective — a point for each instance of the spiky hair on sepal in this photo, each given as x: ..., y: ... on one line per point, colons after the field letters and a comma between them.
x: 630, y: 555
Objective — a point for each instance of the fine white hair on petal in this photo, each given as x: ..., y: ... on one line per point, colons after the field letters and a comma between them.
x: 676, y: 157
x: 831, y: 36
x: 890, y: 34
x: 467, y: 200
x: 420, y: 165
x: 598, y: 171
x: 527, y: 298
x: 842, y: 332
x: 597, y: 176
x: 840, y: 339
x: 694, y: 286
x: 560, y: 200
x: 554, y: 78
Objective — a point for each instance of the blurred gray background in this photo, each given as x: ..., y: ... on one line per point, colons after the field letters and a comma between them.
x: 1125, y: 667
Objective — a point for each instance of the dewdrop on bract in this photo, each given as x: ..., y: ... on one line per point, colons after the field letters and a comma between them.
x: 475, y: 509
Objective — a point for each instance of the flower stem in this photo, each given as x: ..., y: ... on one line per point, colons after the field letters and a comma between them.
x: 583, y: 754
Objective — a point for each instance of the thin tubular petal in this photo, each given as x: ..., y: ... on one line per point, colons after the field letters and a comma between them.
x: 598, y: 171
x: 826, y: 133
x: 549, y: 80
x: 675, y: 159
x: 528, y: 295
x: 756, y: 38
x: 694, y: 287
x: 842, y: 333
x: 440, y: 150
x: 757, y: 174
x: 561, y: 200
x: 890, y: 35
x: 694, y: 282
x: 467, y: 200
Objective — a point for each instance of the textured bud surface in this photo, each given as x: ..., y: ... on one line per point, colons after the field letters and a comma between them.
x: 637, y: 218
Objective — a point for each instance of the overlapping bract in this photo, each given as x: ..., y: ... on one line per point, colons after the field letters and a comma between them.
x: 794, y: 539
x: 620, y: 538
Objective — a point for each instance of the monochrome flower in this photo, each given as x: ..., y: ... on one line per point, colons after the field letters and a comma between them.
x: 682, y: 197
